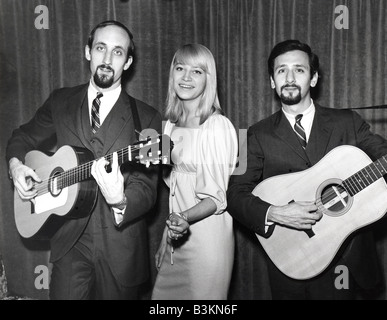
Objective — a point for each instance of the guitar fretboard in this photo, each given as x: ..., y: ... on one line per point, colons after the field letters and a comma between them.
x: 154, y: 150
x: 365, y: 177
x: 83, y: 171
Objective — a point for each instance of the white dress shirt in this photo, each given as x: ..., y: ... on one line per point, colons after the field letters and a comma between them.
x: 306, y: 121
x: 108, y: 101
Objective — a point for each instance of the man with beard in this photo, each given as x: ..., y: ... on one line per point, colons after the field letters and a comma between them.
x: 276, y: 146
x: 103, y: 255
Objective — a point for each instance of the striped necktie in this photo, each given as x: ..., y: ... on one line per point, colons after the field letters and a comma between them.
x: 300, y: 131
x: 95, y: 122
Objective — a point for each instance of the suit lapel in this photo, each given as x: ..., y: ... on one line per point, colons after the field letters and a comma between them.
x: 115, y: 121
x: 320, y: 135
x: 74, y: 120
x: 118, y: 118
x: 285, y: 132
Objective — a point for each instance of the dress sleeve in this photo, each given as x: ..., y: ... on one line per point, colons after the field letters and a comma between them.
x: 217, y: 156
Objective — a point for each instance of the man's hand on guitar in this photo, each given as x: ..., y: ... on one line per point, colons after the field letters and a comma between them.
x: 24, y: 179
x: 298, y: 215
x: 111, y: 184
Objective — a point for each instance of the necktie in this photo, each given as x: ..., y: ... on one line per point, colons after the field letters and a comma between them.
x: 300, y: 131
x: 95, y: 122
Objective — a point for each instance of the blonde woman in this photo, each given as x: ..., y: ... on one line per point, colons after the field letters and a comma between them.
x: 196, y: 253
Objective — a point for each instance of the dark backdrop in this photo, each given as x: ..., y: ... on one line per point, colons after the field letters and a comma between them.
x: 240, y: 33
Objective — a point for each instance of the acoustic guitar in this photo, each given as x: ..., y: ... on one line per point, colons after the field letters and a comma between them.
x: 68, y: 189
x: 346, y: 186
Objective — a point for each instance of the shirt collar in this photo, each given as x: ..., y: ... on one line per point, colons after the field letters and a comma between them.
x: 92, y: 91
x: 307, y: 112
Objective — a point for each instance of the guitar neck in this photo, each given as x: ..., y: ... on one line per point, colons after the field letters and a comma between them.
x: 83, y: 171
x: 365, y: 177
x: 153, y: 150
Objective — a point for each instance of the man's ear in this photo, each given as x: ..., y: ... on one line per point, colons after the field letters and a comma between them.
x: 272, y: 83
x: 314, y: 80
x: 128, y: 63
x: 87, y: 53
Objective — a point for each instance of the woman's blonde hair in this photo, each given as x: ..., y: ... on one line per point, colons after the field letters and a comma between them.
x: 201, y: 56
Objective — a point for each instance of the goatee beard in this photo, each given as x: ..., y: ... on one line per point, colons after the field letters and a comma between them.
x: 290, y: 99
x: 103, y: 81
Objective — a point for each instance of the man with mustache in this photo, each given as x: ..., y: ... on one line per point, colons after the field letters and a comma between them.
x: 275, y: 146
x: 103, y: 255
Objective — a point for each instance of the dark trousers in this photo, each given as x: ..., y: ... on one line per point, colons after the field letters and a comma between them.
x: 84, y: 273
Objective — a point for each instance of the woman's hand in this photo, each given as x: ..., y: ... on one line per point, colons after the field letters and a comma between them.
x: 177, y: 225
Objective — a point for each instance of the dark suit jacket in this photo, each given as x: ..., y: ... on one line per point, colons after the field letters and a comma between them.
x: 63, y: 116
x: 273, y: 149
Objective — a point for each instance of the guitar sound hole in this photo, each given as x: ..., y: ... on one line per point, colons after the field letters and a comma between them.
x: 55, y: 183
x: 333, y: 199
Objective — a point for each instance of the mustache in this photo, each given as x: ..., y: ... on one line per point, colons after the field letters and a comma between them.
x: 291, y: 86
x: 105, y: 66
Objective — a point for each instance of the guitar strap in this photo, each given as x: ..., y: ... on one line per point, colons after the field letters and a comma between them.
x: 372, y: 107
x: 136, y: 118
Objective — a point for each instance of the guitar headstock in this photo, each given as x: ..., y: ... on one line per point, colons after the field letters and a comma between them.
x: 154, y: 150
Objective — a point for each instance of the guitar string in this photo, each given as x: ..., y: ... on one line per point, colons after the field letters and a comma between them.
x: 355, y: 184
x: 331, y: 194
x: 125, y: 151
x: 43, y: 188
x: 326, y: 197
x: 89, y: 164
